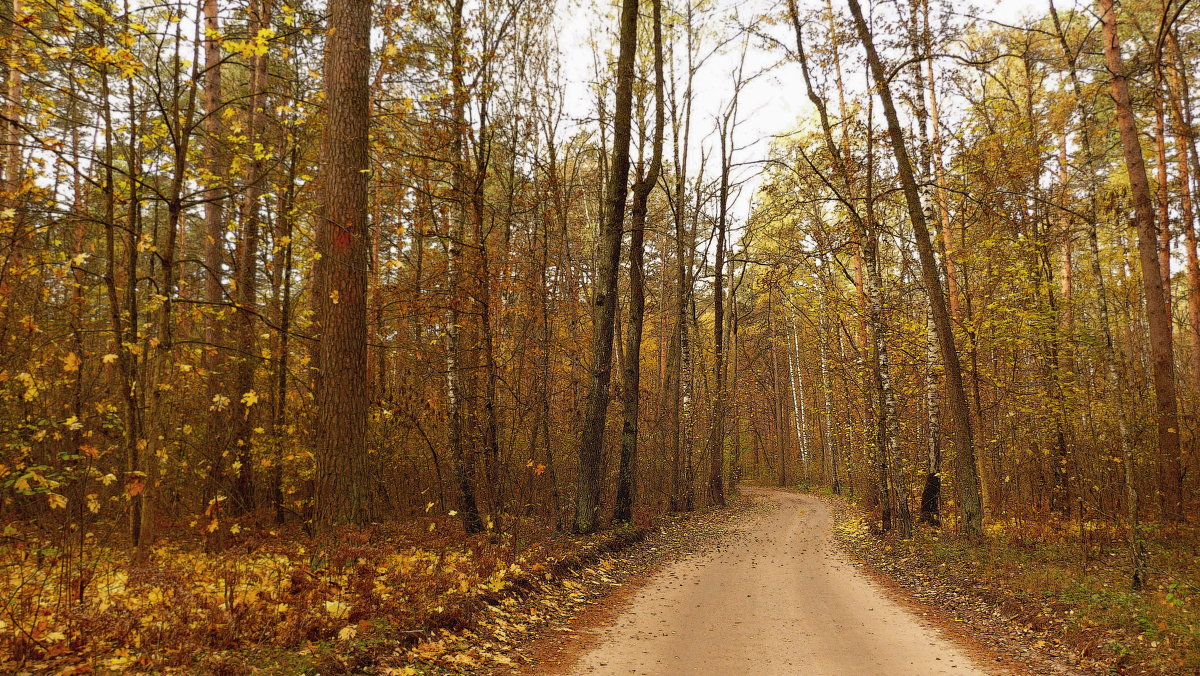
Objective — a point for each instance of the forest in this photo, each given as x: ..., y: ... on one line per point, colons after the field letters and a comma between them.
x: 327, y: 326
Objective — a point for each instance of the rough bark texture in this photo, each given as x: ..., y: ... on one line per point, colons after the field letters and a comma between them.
x: 604, y: 300
x: 342, y: 478
x: 716, y: 467
x: 1185, y: 143
x: 1157, y: 319
x: 464, y: 461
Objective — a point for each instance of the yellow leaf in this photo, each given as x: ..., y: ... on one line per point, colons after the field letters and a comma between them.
x: 337, y: 609
x: 56, y: 501
x: 333, y: 296
x: 109, y: 358
x: 250, y: 398
x: 71, y: 362
x: 348, y: 632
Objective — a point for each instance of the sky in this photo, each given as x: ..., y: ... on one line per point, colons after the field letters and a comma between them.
x: 771, y: 105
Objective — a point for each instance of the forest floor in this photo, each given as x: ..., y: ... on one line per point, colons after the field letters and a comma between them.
x: 767, y: 585
x: 401, y: 599
x: 1049, y: 596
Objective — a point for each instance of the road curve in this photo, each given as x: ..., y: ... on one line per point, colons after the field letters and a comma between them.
x: 777, y: 597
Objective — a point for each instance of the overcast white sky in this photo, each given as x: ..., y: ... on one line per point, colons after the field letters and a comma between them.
x: 771, y: 105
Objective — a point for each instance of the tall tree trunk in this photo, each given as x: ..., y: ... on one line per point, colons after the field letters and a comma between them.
x: 966, y: 471
x: 1158, y: 321
x: 777, y: 395
x: 1185, y: 144
x: 216, y: 163
x: 716, y: 471
x: 801, y: 415
x: 1163, y: 198
x: 931, y: 493
x: 343, y: 476
x: 604, y: 300
x: 247, y: 267
x: 829, y: 437
x: 627, y: 471
x: 464, y: 461
x: 1112, y: 357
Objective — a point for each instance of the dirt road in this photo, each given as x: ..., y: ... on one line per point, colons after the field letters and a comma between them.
x: 775, y: 598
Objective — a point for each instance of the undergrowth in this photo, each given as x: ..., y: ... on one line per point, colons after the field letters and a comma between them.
x: 1070, y: 585
x: 270, y: 599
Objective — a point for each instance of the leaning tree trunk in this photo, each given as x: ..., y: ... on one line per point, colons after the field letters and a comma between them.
x: 966, y: 471
x: 604, y: 299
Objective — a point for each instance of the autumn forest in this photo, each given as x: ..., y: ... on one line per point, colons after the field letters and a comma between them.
x: 333, y: 334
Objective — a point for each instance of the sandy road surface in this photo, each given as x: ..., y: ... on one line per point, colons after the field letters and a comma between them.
x: 775, y: 598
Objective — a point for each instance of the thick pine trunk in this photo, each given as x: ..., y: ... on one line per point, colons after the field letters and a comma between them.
x: 216, y: 164
x: 343, y: 478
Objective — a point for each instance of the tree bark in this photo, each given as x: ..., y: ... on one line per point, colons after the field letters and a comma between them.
x: 343, y: 476
x: 627, y: 471
x: 966, y: 471
x: 464, y: 461
x: 604, y: 300
x: 1158, y: 321
x: 216, y: 164
x: 247, y: 268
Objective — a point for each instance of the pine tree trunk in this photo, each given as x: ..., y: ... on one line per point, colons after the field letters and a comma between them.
x: 343, y: 479
x: 1157, y: 318
x: 245, y: 415
x: 216, y: 164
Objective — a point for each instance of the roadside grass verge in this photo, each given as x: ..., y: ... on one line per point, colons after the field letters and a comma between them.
x: 1054, y: 586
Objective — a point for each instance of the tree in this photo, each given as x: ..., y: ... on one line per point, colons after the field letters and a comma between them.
x: 1162, y: 350
x: 627, y: 470
x: 604, y: 295
x: 966, y: 472
x: 343, y: 477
